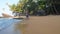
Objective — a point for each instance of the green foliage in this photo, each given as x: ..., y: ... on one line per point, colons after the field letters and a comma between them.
x: 12, y: 7
x: 30, y: 5
x: 31, y: 12
x: 18, y: 7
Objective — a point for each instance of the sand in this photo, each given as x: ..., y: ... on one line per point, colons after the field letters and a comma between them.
x: 41, y: 25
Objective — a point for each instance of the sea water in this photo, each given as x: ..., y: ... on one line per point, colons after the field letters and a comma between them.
x: 7, y: 25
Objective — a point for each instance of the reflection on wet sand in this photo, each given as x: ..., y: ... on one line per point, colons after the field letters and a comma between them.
x: 22, y: 27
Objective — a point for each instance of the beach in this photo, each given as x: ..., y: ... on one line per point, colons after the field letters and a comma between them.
x: 40, y: 25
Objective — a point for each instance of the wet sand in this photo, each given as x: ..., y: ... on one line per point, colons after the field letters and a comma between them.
x: 41, y: 25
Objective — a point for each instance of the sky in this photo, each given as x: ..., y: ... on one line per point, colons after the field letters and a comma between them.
x: 3, y: 4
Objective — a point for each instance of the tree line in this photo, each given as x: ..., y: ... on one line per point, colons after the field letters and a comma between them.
x: 35, y: 7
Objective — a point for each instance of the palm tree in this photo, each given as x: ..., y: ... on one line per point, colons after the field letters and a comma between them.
x: 18, y: 8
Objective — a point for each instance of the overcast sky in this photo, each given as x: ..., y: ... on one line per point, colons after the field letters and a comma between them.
x: 3, y: 4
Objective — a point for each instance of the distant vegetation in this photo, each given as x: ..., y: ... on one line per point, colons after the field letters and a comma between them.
x: 33, y: 6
